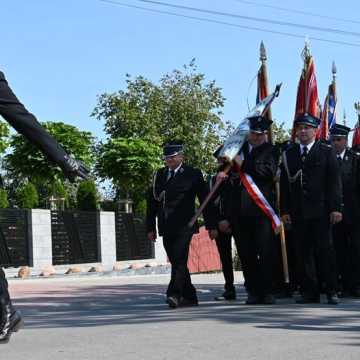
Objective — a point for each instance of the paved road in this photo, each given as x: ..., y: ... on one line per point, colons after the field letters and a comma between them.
x: 126, y: 318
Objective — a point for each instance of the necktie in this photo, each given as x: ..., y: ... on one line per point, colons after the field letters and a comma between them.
x: 304, y: 153
x: 171, y: 174
x: 339, y: 159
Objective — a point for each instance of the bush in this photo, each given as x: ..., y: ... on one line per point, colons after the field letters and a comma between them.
x: 27, y: 196
x: 4, y: 202
x: 87, y: 196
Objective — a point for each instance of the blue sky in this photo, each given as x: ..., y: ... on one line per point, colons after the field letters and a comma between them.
x: 59, y: 55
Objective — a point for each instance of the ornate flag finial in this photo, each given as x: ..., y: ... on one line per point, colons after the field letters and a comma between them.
x: 334, y: 70
x: 306, y: 52
x: 262, y: 52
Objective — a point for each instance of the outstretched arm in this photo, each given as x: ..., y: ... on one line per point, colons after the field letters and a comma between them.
x: 15, y: 113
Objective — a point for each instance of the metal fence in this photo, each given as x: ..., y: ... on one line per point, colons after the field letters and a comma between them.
x: 131, y: 240
x: 14, y: 237
x: 75, y: 237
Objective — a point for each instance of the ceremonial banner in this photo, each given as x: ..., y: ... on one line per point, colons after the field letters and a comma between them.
x: 307, y: 100
x: 328, y: 116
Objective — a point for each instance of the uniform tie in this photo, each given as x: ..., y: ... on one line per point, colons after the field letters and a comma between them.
x: 171, y: 174
x: 304, y: 153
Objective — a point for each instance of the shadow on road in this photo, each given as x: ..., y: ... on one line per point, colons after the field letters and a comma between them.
x: 142, y: 304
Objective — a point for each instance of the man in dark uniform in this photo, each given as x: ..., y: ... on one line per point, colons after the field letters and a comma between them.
x: 172, y: 202
x: 26, y: 124
x: 311, y: 202
x: 251, y: 227
x: 346, y: 234
x: 223, y: 239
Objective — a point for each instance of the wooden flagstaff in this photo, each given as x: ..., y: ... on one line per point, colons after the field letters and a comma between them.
x: 263, y: 72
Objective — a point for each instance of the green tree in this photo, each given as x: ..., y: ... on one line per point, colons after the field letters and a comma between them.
x: 26, y: 163
x: 182, y: 106
x: 4, y: 136
x: 27, y: 196
x: 87, y: 196
x: 280, y: 133
x: 4, y: 202
x: 129, y: 163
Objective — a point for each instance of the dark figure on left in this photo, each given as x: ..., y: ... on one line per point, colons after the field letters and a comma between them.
x: 172, y: 202
x: 14, y: 112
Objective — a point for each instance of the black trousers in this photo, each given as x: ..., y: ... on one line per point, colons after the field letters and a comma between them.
x: 316, y: 256
x: 255, y: 243
x: 223, y: 243
x: 347, y: 248
x: 3, y: 284
x: 4, y: 294
x: 177, y: 250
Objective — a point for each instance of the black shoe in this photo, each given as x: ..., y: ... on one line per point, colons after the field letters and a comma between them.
x: 332, y: 299
x: 253, y: 300
x: 14, y: 324
x: 172, y: 301
x: 74, y: 168
x: 188, y: 302
x: 5, y: 326
x: 226, y: 296
x: 309, y: 300
x: 269, y: 299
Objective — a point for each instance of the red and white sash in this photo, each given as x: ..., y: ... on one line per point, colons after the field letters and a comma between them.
x: 259, y: 199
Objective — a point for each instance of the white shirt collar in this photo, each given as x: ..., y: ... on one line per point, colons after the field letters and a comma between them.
x: 175, y: 170
x: 341, y: 154
x: 309, y: 146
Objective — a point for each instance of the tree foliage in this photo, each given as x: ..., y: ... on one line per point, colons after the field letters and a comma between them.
x: 87, y: 196
x: 4, y: 202
x: 182, y: 106
x: 280, y: 134
x: 27, y: 196
x: 4, y: 136
x: 129, y: 163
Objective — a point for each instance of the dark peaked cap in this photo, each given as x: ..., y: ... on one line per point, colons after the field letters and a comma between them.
x: 339, y: 130
x: 173, y: 148
x: 259, y: 124
x: 307, y: 119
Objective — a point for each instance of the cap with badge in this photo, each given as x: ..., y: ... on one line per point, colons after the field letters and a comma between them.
x: 307, y: 119
x: 339, y: 130
x: 172, y: 148
x: 259, y: 124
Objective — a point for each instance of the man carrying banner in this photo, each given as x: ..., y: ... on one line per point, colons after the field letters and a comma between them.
x: 172, y: 202
x: 311, y: 202
x: 346, y: 234
x: 250, y: 208
x: 26, y: 124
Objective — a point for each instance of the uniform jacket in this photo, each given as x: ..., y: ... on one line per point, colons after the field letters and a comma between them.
x: 316, y: 191
x: 173, y: 201
x: 350, y: 177
x: 261, y: 165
